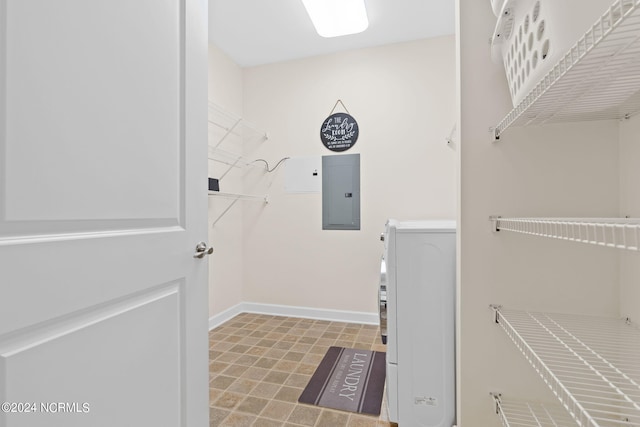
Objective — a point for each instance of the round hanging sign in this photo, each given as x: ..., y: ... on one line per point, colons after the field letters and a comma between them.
x: 339, y: 132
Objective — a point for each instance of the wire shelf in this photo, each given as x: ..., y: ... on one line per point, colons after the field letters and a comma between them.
x: 597, y: 79
x: 591, y: 364
x: 620, y: 233
x: 228, y: 124
x: 531, y: 414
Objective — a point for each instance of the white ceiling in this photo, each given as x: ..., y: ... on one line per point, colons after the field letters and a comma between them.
x: 255, y: 32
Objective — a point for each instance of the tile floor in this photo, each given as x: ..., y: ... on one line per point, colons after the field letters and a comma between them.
x: 259, y: 365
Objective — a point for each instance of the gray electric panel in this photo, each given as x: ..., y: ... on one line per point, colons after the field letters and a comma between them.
x: 341, y: 192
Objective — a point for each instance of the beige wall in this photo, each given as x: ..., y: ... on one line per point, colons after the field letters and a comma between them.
x: 402, y: 96
x: 553, y: 170
x: 226, y: 263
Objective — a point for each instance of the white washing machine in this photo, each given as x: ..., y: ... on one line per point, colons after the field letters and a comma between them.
x: 417, y: 314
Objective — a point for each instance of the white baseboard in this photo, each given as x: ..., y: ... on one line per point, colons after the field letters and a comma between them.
x: 293, y: 311
x: 228, y: 314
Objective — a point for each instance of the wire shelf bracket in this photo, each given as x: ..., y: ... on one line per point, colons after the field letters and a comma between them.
x: 589, y: 363
x: 597, y: 79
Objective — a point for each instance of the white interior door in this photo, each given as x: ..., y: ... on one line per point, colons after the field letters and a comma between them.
x: 103, y: 307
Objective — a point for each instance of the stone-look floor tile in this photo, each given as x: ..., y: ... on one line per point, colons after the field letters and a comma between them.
x: 275, y: 335
x: 240, y: 348
x: 275, y: 353
x: 227, y: 357
x: 265, y: 422
x: 228, y: 400
x: 362, y: 421
x: 318, y: 349
x: 216, y: 415
x: 266, y: 390
x: 254, y: 373
x: 266, y: 343
x: 293, y: 356
x: 307, y: 340
x: 297, y: 380
x: 213, y: 395
x: 301, y: 348
x: 283, y: 345
x: 331, y: 335
x: 304, y: 415
x: 306, y: 369
x: 277, y: 410
x: 265, y: 362
x: 333, y: 419
x: 257, y: 351
x: 247, y: 359
x: 249, y: 341
x: 217, y: 367
x: 242, y: 386
x: 276, y: 377
x: 235, y: 370
x: 238, y: 420
x: 252, y: 405
x: 285, y: 366
x: 221, y: 382
x: 313, y: 359
x: 288, y: 394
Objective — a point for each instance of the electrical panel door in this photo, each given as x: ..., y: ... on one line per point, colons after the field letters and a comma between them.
x: 341, y: 192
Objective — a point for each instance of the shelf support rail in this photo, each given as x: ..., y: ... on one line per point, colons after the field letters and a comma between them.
x: 616, y: 233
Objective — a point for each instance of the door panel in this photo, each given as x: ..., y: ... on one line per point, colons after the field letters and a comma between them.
x: 67, y: 82
x: 27, y: 365
x: 102, y: 202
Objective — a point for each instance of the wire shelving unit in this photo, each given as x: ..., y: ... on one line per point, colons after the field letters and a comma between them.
x: 231, y: 131
x: 514, y: 413
x: 619, y: 233
x: 597, y: 79
x: 589, y: 363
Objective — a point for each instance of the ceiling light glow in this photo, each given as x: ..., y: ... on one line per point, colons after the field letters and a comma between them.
x: 333, y: 18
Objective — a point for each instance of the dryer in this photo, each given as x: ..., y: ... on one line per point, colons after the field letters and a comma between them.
x: 417, y: 320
